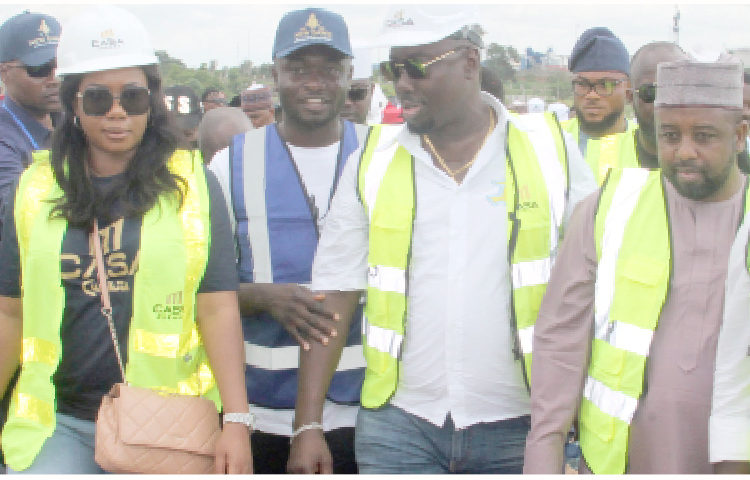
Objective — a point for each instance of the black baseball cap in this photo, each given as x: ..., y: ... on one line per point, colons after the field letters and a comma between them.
x: 29, y: 37
x: 184, y: 103
x: 311, y: 26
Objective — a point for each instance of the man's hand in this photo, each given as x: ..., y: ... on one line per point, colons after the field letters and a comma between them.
x: 309, y: 454
x: 296, y: 308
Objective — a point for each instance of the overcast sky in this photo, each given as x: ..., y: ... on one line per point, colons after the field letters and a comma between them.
x: 197, y: 33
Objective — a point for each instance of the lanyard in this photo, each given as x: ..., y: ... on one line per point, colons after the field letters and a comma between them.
x: 34, y: 145
x: 314, y: 211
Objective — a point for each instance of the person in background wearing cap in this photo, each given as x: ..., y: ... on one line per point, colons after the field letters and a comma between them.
x: 627, y: 333
x: 643, y: 78
x: 257, y: 103
x: 359, y: 98
x: 217, y: 129
x: 184, y: 105
x: 115, y: 163
x: 280, y: 180
x: 211, y: 99
x: 28, y: 45
x: 427, y: 205
x: 601, y: 66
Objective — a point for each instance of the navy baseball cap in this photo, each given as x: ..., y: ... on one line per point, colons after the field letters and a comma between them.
x: 29, y: 37
x: 311, y: 26
x: 184, y: 103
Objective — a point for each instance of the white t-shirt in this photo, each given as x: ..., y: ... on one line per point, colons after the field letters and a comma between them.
x: 317, y: 167
x: 457, y: 355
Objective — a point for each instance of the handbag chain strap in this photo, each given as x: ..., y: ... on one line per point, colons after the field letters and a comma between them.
x: 103, y: 287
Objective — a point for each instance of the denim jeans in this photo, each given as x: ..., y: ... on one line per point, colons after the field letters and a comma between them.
x: 69, y: 450
x: 389, y: 440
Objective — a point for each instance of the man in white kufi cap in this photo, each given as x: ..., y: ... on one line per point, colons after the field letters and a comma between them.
x: 626, y: 339
x: 449, y: 223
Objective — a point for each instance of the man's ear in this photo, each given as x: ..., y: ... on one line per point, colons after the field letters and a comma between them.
x: 473, y: 63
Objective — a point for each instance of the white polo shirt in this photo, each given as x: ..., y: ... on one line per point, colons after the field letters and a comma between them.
x: 457, y: 355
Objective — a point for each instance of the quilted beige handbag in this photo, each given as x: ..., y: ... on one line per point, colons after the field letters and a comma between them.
x: 141, y: 431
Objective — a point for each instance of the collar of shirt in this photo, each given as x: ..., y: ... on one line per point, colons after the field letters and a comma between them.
x: 39, y: 132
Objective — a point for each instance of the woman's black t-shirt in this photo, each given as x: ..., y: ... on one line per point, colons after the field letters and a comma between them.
x: 88, y: 367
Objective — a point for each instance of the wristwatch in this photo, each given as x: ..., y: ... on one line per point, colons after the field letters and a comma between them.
x: 247, y: 419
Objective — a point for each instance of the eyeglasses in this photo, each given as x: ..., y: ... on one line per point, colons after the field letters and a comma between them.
x: 647, y: 92
x: 391, y: 69
x: 603, y: 88
x: 41, y: 71
x: 98, y: 101
x: 357, y: 94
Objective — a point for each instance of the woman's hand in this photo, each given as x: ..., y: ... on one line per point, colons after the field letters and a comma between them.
x: 233, y: 453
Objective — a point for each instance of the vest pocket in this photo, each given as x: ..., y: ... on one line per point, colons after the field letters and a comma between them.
x: 596, y: 421
x: 640, y: 287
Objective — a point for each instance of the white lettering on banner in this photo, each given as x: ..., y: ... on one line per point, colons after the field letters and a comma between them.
x: 387, y: 279
x: 526, y: 338
x: 287, y: 358
x: 613, y: 403
x: 382, y: 339
x: 623, y: 203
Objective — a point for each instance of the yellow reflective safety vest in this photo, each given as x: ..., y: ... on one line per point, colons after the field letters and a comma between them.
x: 163, y: 354
x: 633, y: 247
x: 603, y: 153
x: 536, y: 192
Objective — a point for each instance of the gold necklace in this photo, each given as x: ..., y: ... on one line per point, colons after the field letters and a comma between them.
x: 453, y: 173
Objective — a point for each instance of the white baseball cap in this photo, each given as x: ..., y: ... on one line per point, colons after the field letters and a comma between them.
x: 103, y: 37
x: 412, y: 25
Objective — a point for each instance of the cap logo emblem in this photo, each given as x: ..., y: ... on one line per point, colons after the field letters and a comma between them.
x: 108, y: 40
x: 398, y: 20
x: 44, y: 36
x: 312, y: 30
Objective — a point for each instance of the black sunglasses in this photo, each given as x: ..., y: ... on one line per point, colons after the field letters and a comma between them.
x: 41, y: 71
x: 357, y: 94
x: 391, y: 69
x: 98, y: 101
x: 647, y: 92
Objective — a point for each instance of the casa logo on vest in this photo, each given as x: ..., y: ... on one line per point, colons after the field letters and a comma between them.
x: 44, y: 36
x: 524, y: 197
x: 398, y: 20
x: 108, y: 40
x: 312, y: 30
x: 171, y: 309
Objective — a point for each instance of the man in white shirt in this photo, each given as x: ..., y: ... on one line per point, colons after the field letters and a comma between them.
x: 445, y: 387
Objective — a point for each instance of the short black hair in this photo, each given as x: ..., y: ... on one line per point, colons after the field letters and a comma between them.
x: 492, y: 84
x: 236, y: 101
x: 747, y: 77
x: 208, y: 92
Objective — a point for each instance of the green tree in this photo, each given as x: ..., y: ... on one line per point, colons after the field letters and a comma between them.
x: 499, y: 59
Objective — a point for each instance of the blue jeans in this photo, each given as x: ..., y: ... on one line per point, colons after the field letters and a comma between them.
x: 389, y: 440
x: 70, y: 449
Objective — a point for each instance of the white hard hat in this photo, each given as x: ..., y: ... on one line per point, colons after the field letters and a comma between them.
x: 412, y: 25
x: 103, y: 37
x: 535, y: 105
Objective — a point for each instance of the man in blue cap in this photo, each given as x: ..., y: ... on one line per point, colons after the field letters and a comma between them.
x: 601, y: 85
x: 28, y: 47
x: 279, y: 181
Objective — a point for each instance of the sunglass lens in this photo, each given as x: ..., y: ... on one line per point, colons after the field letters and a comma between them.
x: 357, y: 94
x: 97, y: 101
x: 135, y: 101
x: 414, y: 68
x: 42, y: 71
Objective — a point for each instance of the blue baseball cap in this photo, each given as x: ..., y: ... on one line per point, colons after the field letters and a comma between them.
x: 29, y: 37
x: 311, y: 26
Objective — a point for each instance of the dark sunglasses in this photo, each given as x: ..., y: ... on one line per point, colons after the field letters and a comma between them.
x: 647, y: 92
x: 392, y: 69
x: 357, y: 94
x: 41, y: 71
x: 98, y: 101
x: 603, y: 88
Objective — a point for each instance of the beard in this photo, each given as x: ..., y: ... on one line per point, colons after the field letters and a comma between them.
x: 597, y: 129
x: 420, y: 128
x: 706, y: 187
x: 292, y: 113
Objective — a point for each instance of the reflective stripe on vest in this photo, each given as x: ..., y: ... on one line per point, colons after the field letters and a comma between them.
x: 537, y: 160
x: 164, y: 355
x: 604, y: 153
x: 270, y: 208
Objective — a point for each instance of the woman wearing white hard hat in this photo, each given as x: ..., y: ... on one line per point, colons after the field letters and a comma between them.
x: 115, y: 168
